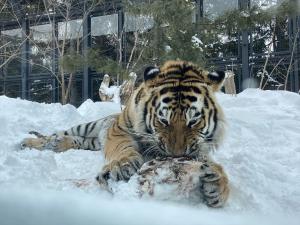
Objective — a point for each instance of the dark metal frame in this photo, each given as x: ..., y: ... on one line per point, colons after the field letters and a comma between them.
x: 243, y: 61
x: 293, y: 26
x: 54, y: 60
x: 86, y: 45
x: 25, y: 57
x: 244, y: 47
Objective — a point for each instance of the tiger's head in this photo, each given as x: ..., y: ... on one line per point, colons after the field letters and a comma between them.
x: 177, y: 109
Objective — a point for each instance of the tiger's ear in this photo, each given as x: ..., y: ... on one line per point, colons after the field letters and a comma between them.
x: 215, y: 79
x: 150, y: 72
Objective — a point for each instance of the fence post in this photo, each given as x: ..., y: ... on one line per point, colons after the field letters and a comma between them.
x: 54, y: 61
x: 293, y: 30
x: 25, y: 57
x: 2, y: 75
x: 86, y: 47
x: 244, y: 5
x: 121, y: 37
x: 297, y: 58
x: 199, y: 10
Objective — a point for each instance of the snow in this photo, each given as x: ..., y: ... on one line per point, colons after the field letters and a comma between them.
x: 196, y: 40
x: 261, y: 155
x: 112, y: 92
x: 197, y: 43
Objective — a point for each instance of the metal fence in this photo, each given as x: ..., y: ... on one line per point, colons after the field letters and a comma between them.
x: 45, y: 88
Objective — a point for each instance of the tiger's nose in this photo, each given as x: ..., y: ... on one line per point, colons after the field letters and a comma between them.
x: 178, y: 151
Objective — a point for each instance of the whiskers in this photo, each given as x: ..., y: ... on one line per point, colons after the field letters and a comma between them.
x: 150, y: 145
x: 202, y: 148
x: 153, y: 152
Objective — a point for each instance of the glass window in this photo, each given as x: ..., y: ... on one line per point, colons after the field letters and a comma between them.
x: 104, y: 25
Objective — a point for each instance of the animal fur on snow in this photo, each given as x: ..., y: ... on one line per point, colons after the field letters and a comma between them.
x: 169, y: 179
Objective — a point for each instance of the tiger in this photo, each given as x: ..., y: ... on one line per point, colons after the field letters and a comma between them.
x: 172, y: 113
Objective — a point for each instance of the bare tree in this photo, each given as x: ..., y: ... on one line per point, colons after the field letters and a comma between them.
x: 267, y: 60
x: 8, y: 49
x: 12, y: 49
x: 64, y: 8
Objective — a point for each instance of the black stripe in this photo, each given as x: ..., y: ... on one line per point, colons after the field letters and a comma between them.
x: 93, y: 126
x: 198, y: 72
x: 86, y: 128
x: 135, y: 164
x: 214, y: 110
x: 78, y: 129
x: 167, y: 100
x: 196, y: 90
x: 151, y: 118
x: 138, y: 96
x: 83, y: 140
x: 190, y: 98
x: 186, y: 68
x: 174, y: 89
x: 205, y: 103
x: 157, y: 107
x: 173, y: 80
x: 129, y: 146
x: 114, y: 132
x: 95, y: 140
x: 154, y: 101
x: 122, y: 129
x: 175, y: 72
x: 128, y: 120
x: 148, y: 130
x: 179, y: 89
x: 192, y: 81
x: 93, y: 144
x: 209, y: 117
x: 197, y: 114
x: 215, y: 125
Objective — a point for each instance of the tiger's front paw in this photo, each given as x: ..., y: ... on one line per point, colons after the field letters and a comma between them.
x: 119, y: 170
x: 214, y: 185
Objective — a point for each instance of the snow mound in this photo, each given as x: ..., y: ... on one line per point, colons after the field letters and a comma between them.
x: 261, y: 155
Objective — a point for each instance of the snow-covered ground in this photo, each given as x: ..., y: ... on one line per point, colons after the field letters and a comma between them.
x: 261, y: 155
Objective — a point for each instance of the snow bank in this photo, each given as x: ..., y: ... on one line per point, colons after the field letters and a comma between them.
x: 72, y: 208
x: 261, y: 155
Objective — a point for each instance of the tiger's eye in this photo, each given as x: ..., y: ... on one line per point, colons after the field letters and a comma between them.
x: 192, y: 122
x: 197, y: 114
x: 164, y: 121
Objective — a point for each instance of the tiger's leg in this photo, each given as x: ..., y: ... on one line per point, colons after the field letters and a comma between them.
x: 90, y: 129
x: 122, y: 156
x: 83, y: 136
x: 86, y: 136
x: 214, y: 185
x: 60, y: 143
x: 63, y: 143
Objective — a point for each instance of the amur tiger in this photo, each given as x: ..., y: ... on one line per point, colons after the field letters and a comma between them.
x: 173, y: 113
